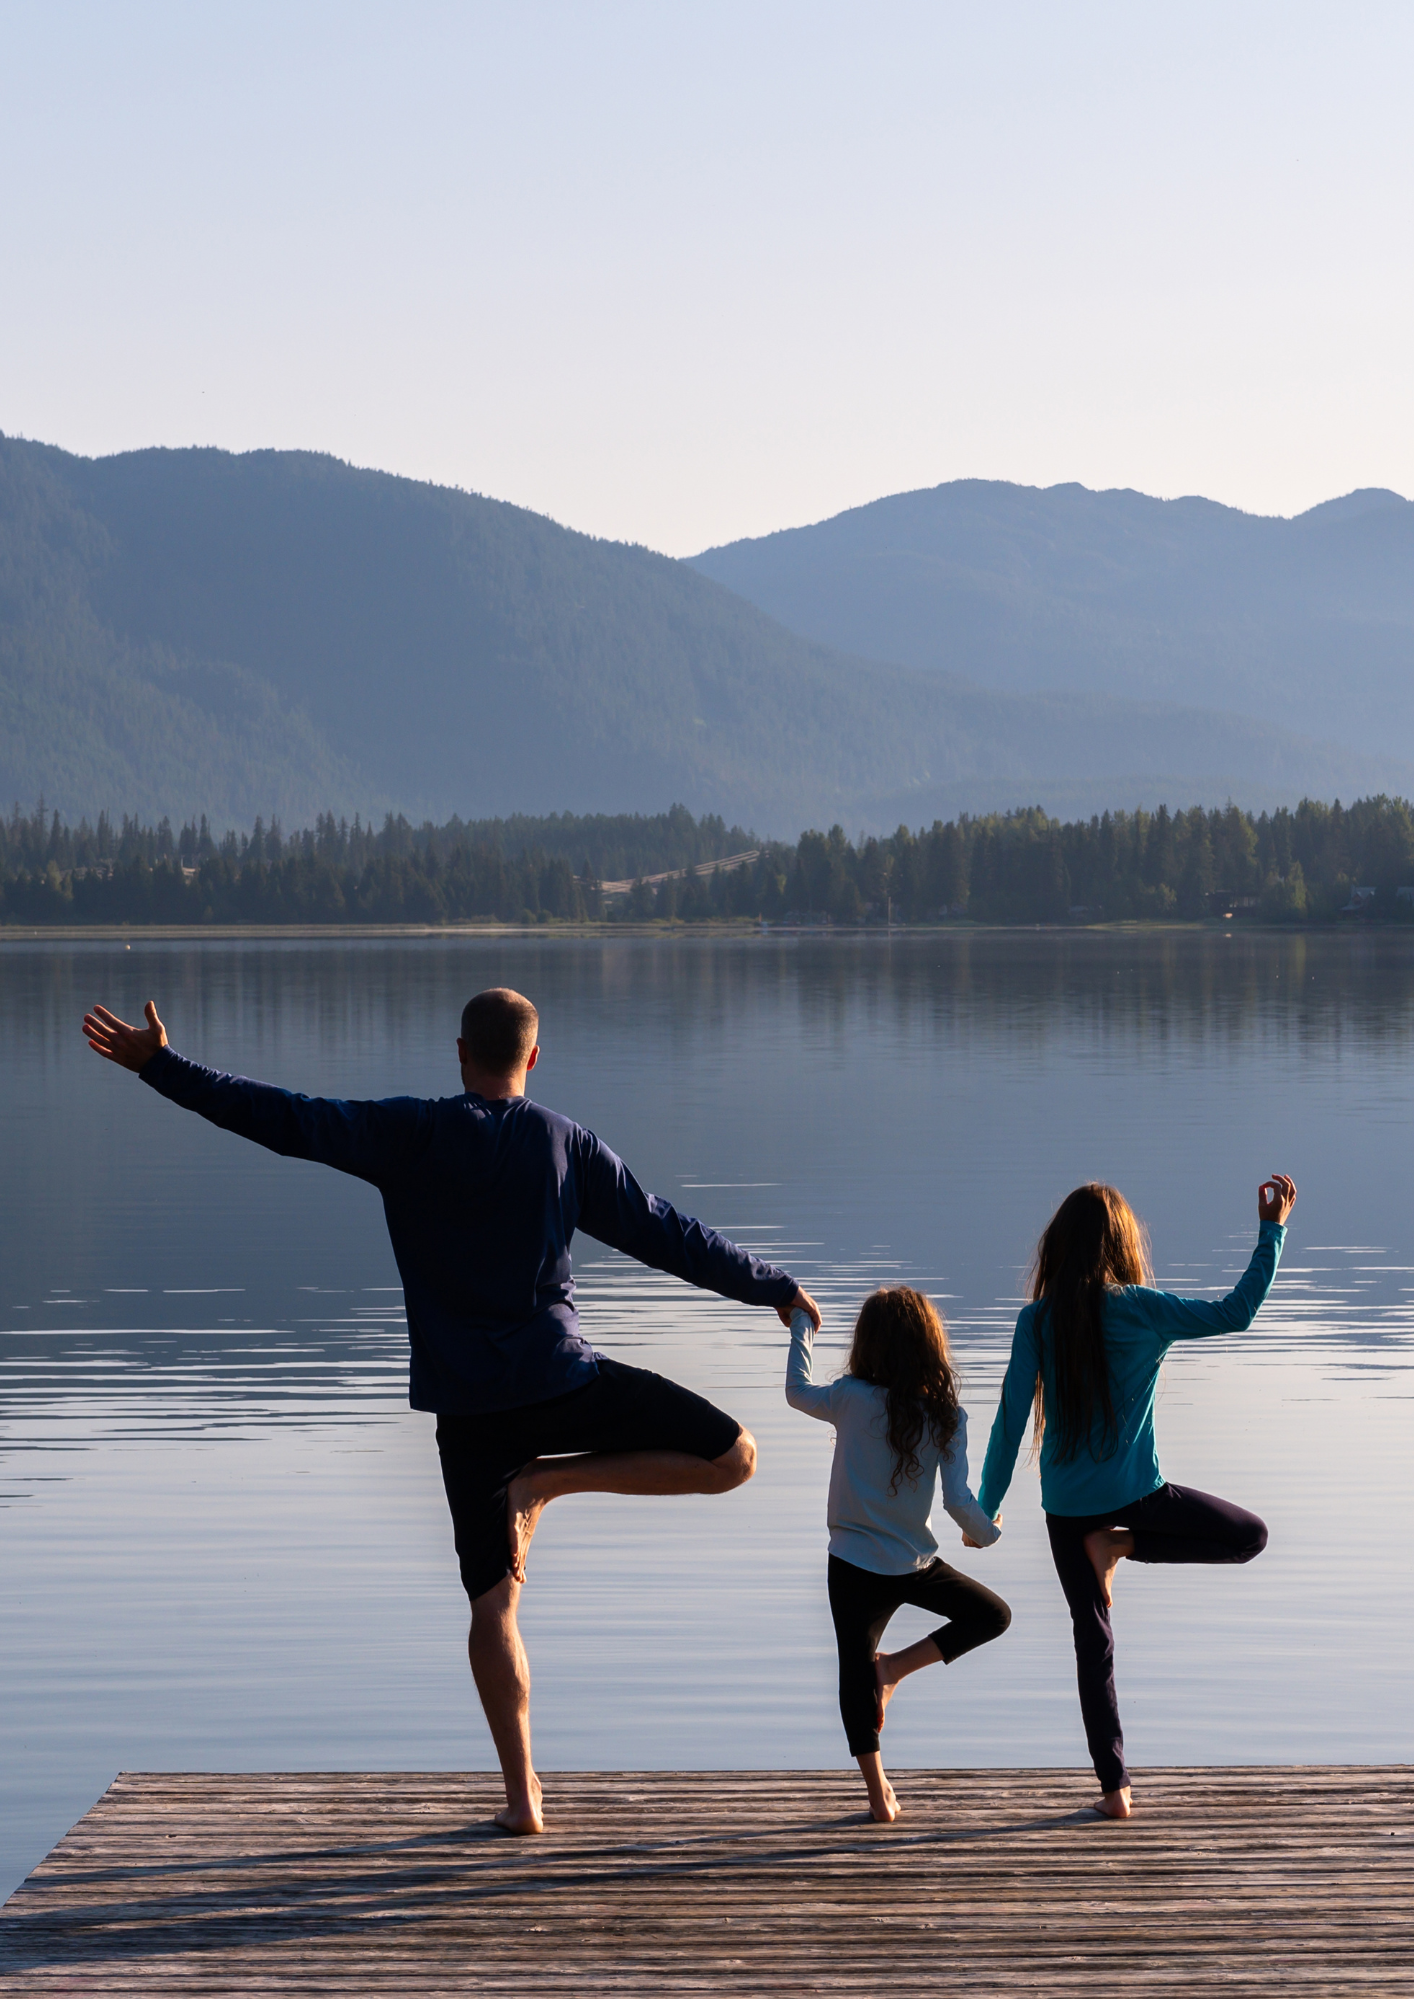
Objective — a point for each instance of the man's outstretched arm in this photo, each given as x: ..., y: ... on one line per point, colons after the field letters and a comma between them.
x: 618, y: 1211
x: 370, y: 1140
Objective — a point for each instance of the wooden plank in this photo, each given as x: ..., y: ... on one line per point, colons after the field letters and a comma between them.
x: 1261, y: 1881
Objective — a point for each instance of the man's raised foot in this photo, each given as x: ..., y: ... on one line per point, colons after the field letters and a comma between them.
x: 525, y: 1502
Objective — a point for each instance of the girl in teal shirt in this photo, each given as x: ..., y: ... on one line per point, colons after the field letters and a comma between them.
x: 1084, y: 1365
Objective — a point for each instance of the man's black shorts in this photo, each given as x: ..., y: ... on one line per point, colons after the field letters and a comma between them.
x: 622, y: 1409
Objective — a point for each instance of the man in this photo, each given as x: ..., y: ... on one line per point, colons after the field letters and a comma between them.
x: 482, y: 1194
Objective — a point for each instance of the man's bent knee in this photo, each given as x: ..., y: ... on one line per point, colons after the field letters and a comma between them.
x: 736, y: 1466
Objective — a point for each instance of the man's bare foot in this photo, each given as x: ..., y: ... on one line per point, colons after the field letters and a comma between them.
x: 1107, y: 1548
x: 1115, y: 1805
x: 524, y: 1815
x: 524, y: 1506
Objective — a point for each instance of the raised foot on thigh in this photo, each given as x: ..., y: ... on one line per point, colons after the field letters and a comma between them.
x: 884, y: 1685
x: 1107, y: 1549
x: 1115, y: 1805
x: 525, y: 1503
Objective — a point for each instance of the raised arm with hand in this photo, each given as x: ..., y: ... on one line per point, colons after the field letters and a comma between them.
x: 117, y: 1042
x: 803, y: 1392
x: 369, y: 1139
x: 1156, y: 1319
x: 1176, y: 1318
x: 1276, y: 1198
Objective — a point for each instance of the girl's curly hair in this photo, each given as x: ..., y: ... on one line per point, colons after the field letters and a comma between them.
x: 900, y: 1345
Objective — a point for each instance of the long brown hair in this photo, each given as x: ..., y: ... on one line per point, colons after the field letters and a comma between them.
x: 1092, y: 1243
x: 901, y: 1345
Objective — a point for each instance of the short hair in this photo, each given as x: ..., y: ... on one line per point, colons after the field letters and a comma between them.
x: 499, y: 1028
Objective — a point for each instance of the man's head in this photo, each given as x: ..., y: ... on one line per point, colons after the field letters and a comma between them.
x: 497, y: 1045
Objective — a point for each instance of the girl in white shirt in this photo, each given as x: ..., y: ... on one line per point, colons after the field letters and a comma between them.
x: 898, y: 1428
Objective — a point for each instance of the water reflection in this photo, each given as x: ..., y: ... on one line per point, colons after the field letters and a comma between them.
x: 225, y: 1539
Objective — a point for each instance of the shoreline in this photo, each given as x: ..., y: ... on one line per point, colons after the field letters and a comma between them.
x: 670, y: 928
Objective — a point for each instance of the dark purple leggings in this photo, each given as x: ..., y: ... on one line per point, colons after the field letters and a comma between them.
x: 1171, y: 1525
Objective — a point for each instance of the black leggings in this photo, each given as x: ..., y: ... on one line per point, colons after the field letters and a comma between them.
x: 1171, y: 1525
x: 862, y: 1603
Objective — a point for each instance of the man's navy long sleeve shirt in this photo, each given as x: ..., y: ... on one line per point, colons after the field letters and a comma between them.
x: 482, y: 1198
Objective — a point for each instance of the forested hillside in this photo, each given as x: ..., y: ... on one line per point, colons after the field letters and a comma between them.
x: 1314, y: 864
x: 191, y: 631
x: 1307, y: 622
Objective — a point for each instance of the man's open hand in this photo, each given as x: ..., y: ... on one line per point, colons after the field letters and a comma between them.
x: 132, y: 1048
x: 802, y: 1302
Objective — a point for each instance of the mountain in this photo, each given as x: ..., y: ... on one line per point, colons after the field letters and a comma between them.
x: 189, y: 631
x: 1307, y: 623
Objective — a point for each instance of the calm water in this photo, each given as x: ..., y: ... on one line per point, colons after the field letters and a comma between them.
x: 225, y: 1543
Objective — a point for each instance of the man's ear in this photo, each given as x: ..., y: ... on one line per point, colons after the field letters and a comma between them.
x: 532, y: 1059
x: 461, y: 1050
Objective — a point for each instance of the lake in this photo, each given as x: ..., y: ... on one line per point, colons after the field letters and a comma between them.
x: 225, y: 1541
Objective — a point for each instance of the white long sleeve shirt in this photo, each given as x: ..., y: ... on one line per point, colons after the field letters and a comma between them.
x: 871, y: 1527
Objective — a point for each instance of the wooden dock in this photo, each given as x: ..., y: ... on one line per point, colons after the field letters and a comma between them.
x: 1261, y: 1881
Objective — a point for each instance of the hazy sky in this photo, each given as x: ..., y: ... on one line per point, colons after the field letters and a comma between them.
x: 684, y: 271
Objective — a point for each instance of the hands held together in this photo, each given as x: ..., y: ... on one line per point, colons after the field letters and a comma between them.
x: 802, y: 1302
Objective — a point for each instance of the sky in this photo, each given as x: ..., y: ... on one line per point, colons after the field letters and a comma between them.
x: 679, y: 273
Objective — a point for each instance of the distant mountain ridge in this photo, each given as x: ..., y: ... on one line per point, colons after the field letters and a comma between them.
x: 197, y: 631
x: 1308, y: 623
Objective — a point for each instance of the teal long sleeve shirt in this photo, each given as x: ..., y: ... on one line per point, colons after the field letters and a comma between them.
x: 1140, y: 1327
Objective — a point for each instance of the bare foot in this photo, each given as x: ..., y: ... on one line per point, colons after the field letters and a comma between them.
x: 884, y: 1806
x: 1107, y: 1548
x: 525, y: 1815
x: 1115, y: 1805
x: 524, y: 1506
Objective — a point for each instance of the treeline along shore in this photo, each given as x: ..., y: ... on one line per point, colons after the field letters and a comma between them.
x: 1312, y: 864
